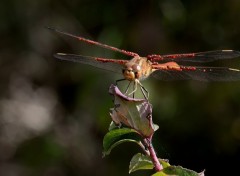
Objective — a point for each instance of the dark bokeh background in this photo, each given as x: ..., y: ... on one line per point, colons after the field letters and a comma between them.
x: 53, y: 114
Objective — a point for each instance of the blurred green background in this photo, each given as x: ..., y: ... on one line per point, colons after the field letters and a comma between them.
x: 54, y: 114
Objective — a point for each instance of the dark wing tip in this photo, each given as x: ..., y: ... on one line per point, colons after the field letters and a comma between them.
x: 60, y: 55
x: 234, y: 53
x: 233, y: 69
x: 209, y: 56
x: 227, y: 50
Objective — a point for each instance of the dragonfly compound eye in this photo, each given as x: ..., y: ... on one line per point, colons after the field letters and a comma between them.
x: 136, y: 68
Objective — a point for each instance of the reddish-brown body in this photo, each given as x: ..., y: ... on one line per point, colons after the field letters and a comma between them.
x: 139, y: 68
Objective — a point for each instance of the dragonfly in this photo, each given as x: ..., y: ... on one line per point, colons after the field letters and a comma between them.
x: 168, y: 67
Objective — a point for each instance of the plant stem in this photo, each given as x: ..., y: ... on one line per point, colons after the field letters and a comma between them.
x: 156, y: 163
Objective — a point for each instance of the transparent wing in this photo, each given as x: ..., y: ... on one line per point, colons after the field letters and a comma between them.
x: 207, y: 56
x: 106, y: 64
x: 198, y: 73
x: 128, y: 53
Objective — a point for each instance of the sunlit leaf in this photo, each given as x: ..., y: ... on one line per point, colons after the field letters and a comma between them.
x: 177, y: 171
x: 134, y: 113
x: 117, y: 136
x: 140, y: 162
x: 155, y: 127
x: 113, y: 126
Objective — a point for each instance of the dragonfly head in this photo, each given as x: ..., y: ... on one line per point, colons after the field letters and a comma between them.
x: 131, y: 72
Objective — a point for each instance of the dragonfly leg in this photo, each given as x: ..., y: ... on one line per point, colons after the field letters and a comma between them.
x: 134, y: 88
x: 144, y: 92
x: 126, y: 91
x: 127, y: 87
x: 119, y: 80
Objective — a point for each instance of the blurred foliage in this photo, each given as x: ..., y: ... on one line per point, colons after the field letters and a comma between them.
x: 53, y: 114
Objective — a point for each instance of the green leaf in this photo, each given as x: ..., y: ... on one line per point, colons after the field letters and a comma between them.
x: 117, y: 136
x: 177, y: 171
x: 155, y: 127
x: 140, y: 162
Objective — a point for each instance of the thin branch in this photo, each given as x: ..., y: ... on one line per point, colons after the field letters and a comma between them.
x: 156, y: 163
